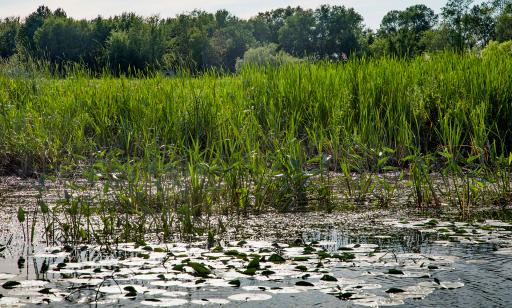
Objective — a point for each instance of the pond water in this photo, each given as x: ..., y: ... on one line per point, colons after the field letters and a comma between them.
x: 371, y: 262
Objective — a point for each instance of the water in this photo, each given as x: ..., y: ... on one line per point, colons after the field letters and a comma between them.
x: 441, y: 264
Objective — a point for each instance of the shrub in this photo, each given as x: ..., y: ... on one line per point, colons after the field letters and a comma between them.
x: 267, y: 55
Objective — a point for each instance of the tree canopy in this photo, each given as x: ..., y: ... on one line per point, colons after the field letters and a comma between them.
x: 199, y: 40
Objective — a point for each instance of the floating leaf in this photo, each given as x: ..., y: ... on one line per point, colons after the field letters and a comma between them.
x: 255, y: 264
x: 250, y: 297
x: 301, y: 268
x: 394, y: 290
x: 394, y: 271
x: 328, y: 278
x: 235, y: 283
x: 300, y: 259
x: 304, y: 284
x: 11, y: 284
x: 276, y: 258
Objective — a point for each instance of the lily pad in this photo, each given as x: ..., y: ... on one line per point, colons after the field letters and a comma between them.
x: 394, y: 290
x: 328, y: 278
x: 276, y: 258
x: 394, y: 271
x: 164, y: 302
x: 199, y: 269
x: 246, y: 297
x: 304, y: 284
x: 11, y: 284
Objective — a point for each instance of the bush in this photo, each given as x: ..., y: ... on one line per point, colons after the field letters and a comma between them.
x: 267, y: 55
x: 494, y: 48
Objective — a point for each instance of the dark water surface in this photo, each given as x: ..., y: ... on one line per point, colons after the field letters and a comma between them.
x: 442, y: 264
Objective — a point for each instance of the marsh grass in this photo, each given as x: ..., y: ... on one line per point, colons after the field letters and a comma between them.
x: 171, y: 153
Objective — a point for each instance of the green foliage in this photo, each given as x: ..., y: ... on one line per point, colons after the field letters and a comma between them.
x: 264, y: 56
x: 61, y: 39
x: 8, y: 31
x: 504, y: 25
x: 297, y: 36
x: 402, y: 32
x: 199, y: 41
x: 494, y: 49
x: 140, y: 47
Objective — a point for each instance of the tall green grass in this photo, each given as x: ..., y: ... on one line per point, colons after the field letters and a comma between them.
x: 268, y: 137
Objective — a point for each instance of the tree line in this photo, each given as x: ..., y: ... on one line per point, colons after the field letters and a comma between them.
x: 198, y: 40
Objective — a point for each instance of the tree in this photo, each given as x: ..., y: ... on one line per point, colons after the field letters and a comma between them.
x: 62, y: 39
x: 141, y: 47
x: 228, y: 44
x: 188, y: 40
x: 437, y: 39
x: 455, y: 14
x: 33, y: 22
x: 266, y: 25
x: 338, y: 31
x: 482, y: 24
x: 8, y: 31
x: 297, y: 34
x: 503, y: 29
x: 403, y: 30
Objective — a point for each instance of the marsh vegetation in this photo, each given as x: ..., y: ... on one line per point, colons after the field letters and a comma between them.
x: 283, y: 181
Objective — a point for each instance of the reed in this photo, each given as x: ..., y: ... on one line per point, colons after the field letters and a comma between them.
x: 172, y: 152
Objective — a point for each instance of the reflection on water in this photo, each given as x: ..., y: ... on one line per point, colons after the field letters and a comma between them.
x: 420, y: 264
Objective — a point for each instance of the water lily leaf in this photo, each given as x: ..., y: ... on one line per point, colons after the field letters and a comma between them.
x: 300, y: 259
x: 328, y: 278
x: 11, y: 284
x: 276, y: 258
x: 200, y: 269
x: 210, y: 301
x: 164, y: 302
x: 345, y: 256
x: 394, y: 290
x: 394, y: 271
x: 45, y: 291
x: 235, y: 283
x: 284, y: 290
x: 130, y: 289
x: 249, y: 271
x: 174, y: 294
x: 255, y: 264
x: 345, y: 295
x: 304, y: 284
x: 250, y: 297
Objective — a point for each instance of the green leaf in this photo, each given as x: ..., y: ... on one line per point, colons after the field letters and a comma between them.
x: 235, y: 283
x: 304, y: 284
x: 394, y: 290
x: 328, y: 278
x: 394, y: 271
x: 472, y: 158
x: 382, y: 161
x: 200, y: 269
x: 44, y: 207
x: 10, y: 284
x: 21, y: 215
x: 276, y: 258
x: 255, y: 263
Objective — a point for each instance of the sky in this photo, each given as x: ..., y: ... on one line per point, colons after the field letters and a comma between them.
x: 371, y: 10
